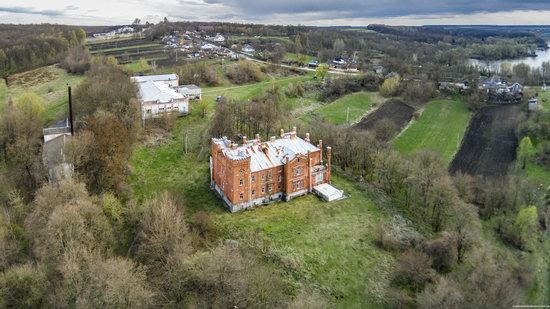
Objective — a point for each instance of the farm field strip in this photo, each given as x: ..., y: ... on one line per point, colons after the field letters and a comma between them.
x: 337, y: 111
x: 394, y: 110
x: 440, y: 128
x: 489, y: 146
x: 126, y: 48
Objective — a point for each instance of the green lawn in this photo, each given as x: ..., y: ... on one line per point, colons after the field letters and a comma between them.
x: 539, y: 174
x: 326, y: 245
x: 544, y: 97
x: 440, y: 128
x: 337, y: 111
x: 49, y: 83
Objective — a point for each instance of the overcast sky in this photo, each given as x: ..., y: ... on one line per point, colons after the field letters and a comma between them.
x: 308, y: 12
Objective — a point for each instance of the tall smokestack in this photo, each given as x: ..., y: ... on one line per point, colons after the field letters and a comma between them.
x: 71, y: 109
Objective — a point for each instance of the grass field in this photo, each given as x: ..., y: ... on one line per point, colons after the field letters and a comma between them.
x: 330, y: 245
x: 293, y: 57
x: 249, y: 91
x: 49, y: 83
x: 337, y: 111
x: 3, y: 93
x: 535, y: 172
x: 440, y: 128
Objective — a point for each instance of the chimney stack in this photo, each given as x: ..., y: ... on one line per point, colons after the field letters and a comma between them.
x: 245, y: 140
x: 282, y: 132
x: 329, y: 155
x: 320, y: 146
x: 258, y: 137
x: 307, y: 137
x: 70, y: 109
x: 273, y: 138
x: 293, y: 129
x: 234, y: 146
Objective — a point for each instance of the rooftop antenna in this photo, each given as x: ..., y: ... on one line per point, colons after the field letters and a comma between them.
x: 70, y: 109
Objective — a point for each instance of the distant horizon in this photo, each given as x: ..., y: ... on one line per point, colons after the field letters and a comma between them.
x: 320, y: 13
x: 317, y: 26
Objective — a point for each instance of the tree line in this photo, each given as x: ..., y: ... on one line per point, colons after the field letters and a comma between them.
x: 24, y: 47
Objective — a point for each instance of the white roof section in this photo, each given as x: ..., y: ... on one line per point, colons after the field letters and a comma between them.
x: 328, y: 192
x: 158, y: 92
x: 155, y: 78
x: 267, y: 154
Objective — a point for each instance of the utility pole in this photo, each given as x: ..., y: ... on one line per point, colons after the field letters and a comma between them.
x: 70, y: 109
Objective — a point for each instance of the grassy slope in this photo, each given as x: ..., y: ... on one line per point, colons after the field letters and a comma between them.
x: 249, y: 91
x: 331, y: 244
x: 3, y: 93
x: 538, y: 173
x: 336, y: 112
x: 294, y: 57
x: 440, y: 128
x: 41, y: 81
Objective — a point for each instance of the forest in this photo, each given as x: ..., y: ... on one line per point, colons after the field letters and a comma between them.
x: 30, y: 46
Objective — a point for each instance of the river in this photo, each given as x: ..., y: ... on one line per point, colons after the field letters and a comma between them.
x: 533, y: 62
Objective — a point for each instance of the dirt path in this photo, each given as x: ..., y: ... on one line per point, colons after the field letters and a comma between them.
x: 489, y: 146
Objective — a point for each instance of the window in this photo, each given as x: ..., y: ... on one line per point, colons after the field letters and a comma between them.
x: 253, y: 192
x: 253, y: 178
x: 280, y: 178
x: 263, y: 190
x: 241, y: 182
x: 269, y: 188
x: 263, y: 177
x: 241, y: 196
x: 269, y: 175
x: 298, y: 171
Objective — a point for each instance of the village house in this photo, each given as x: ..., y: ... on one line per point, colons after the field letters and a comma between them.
x: 257, y: 172
x: 159, y: 94
x: 248, y: 49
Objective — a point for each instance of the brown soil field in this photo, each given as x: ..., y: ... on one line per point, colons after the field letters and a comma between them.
x: 489, y: 146
x: 395, y: 110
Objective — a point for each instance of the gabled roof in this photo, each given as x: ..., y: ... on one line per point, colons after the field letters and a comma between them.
x: 267, y: 154
x: 158, y: 91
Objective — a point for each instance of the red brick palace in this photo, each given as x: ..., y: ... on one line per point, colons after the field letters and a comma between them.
x: 257, y: 172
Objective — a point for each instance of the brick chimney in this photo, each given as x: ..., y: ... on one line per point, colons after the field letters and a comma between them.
x: 329, y: 156
x: 282, y: 132
x: 234, y: 146
x: 245, y: 139
x: 320, y: 146
x: 258, y: 137
x: 294, y: 130
x: 307, y: 137
x: 273, y: 138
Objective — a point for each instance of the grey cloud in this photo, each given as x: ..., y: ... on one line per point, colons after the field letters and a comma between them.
x: 379, y: 8
x: 24, y: 10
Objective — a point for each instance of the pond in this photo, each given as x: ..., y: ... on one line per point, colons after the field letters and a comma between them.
x: 533, y: 62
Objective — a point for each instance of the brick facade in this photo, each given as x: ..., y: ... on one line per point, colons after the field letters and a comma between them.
x: 257, y: 172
